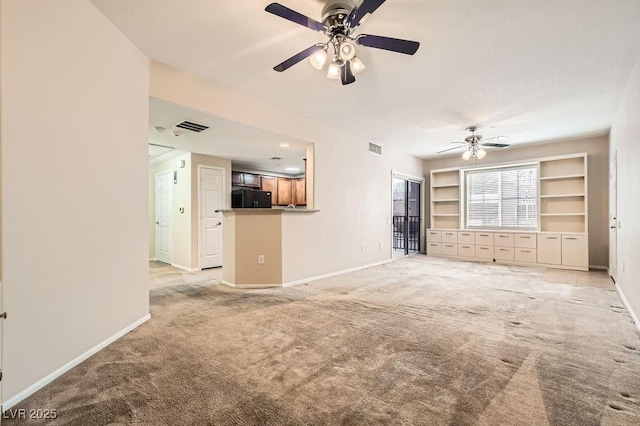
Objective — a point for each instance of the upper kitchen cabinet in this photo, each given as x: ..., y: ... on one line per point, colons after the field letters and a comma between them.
x: 300, y: 192
x: 245, y: 179
x: 285, y: 192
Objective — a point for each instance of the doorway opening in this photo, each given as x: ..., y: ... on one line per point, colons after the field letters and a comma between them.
x: 407, y: 216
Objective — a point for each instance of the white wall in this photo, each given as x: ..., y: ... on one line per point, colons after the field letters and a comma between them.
x: 597, y: 149
x: 74, y: 185
x: 352, y: 186
x: 625, y: 134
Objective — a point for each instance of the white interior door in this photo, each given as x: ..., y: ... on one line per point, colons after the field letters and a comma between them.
x: 613, y: 216
x: 211, y: 200
x: 164, y: 216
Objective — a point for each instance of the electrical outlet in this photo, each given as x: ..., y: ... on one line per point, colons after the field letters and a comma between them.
x: 362, y: 247
x: 261, y: 259
x: 380, y: 245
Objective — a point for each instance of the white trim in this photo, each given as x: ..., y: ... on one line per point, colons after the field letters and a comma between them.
x: 153, y: 259
x: 184, y: 268
x: 250, y: 286
x: 68, y: 366
x: 636, y: 321
x: 224, y: 206
x: 333, y: 274
x: 599, y: 267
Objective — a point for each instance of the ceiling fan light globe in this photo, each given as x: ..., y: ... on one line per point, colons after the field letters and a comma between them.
x: 347, y: 50
x: 357, y: 66
x: 466, y: 155
x: 481, y: 154
x: 334, y: 69
x: 318, y: 59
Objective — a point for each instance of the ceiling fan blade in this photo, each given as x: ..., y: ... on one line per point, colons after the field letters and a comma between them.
x: 293, y: 16
x: 460, y: 142
x: 496, y: 145
x: 346, y: 74
x: 359, y: 12
x: 495, y: 138
x: 450, y: 149
x: 387, y: 43
x: 297, y: 58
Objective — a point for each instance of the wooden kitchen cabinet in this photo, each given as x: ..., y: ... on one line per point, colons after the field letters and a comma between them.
x: 300, y: 193
x: 268, y: 183
x: 245, y: 179
x: 285, y: 191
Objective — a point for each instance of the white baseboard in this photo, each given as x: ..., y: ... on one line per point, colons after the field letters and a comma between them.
x: 250, y: 286
x: 599, y: 267
x: 153, y: 259
x: 628, y: 306
x: 184, y: 268
x: 333, y: 274
x: 68, y: 366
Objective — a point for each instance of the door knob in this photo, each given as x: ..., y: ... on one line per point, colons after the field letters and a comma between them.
x: 157, y: 223
x: 219, y: 223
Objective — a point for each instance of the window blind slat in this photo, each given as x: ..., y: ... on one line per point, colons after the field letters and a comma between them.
x: 502, y: 197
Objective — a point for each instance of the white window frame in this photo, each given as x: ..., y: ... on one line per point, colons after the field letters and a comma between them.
x: 464, y: 201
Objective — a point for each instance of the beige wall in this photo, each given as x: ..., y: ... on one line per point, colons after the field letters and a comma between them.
x: 597, y: 149
x: 185, y: 194
x: 625, y: 134
x: 352, y: 186
x: 74, y: 185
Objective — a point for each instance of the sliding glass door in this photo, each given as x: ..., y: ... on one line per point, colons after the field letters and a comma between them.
x: 406, y: 216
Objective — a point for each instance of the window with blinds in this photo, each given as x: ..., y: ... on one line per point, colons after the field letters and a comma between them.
x: 502, y: 197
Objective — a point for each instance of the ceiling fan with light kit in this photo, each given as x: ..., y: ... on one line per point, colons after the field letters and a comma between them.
x: 474, y: 144
x: 339, y: 22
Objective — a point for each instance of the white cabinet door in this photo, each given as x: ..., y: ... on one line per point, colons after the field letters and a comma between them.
x: 549, y: 249
x: 449, y: 249
x: 434, y: 236
x: 503, y: 240
x: 450, y: 237
x: 504, y: 253
x: 575, y: 250
x: 466, y: 237
x: 525, y: 240
x: 484, y: 252
x: 434, y: 248
x: 525, y: 255
x: 484, y: 238
x: 466, y: 250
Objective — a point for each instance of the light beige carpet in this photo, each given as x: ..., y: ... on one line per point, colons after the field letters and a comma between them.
x: 418, y: 341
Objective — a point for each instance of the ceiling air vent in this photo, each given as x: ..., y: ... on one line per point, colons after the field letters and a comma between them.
x: 190, y: 125
x: 376, y: 149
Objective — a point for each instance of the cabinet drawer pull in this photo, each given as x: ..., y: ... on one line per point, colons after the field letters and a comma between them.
x: 466, y: 246
x: 570, y: 238
x: 504, y: 250
x: 525, y: 236
x: 503, y: 236
x: 551, y: 238
x: 433, y: 245
x: 484, y: 235
x: 483, y: 248
x: 433, y: 233
x: 466, y: 235
x: 448, y: 233
x: 449, y: 245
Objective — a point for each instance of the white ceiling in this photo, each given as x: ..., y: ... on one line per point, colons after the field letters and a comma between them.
x: 537, y: 70
x: 246, y: 146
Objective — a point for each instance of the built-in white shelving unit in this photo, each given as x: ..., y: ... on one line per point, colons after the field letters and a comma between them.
x: 445, y: 199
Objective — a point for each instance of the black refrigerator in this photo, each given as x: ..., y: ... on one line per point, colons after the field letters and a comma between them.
x: 249, y: 198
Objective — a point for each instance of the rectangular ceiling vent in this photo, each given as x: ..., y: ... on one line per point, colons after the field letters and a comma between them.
x: 376, y: 149
x: 190, y: 125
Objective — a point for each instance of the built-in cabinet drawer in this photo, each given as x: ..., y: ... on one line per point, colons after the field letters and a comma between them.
x: 449, y: 249
x: 450, y: 237
x: 525, y: 240
x: 434, y: 236
x: 503, y: 240
x: 484, y: 238
x: 466, y: 238
x: 550, y: 249
x: 434, y: 248
x: 575, y: 250
x: 526, y: 255
x: 484, y: 252
x: 504, y: 253
x: 466, y: 250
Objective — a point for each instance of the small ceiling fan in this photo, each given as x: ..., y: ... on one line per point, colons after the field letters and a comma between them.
x: 473, y: 144
x: 339, y: 22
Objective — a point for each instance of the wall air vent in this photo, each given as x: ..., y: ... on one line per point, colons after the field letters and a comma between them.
x: 376, y: 149
x: 190, y: 125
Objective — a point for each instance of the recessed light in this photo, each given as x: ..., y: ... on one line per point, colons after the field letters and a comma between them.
x: 159, y: 129
x: 492, y: 127
x: 284, y: 145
